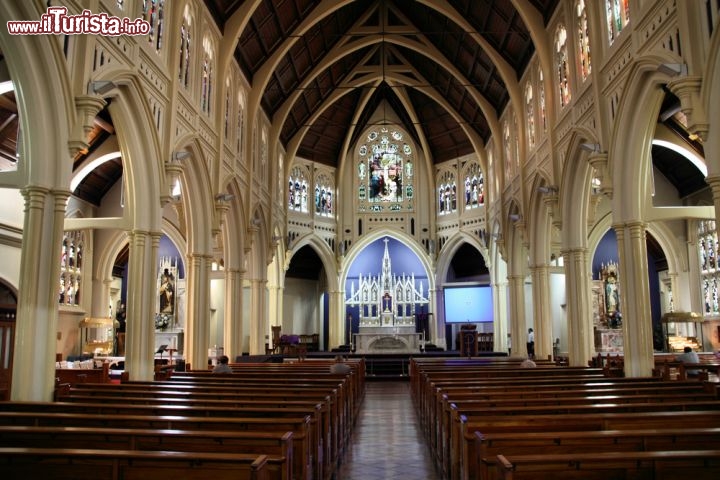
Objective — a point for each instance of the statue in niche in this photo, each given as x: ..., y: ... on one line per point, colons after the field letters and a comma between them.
x: 167, y: 292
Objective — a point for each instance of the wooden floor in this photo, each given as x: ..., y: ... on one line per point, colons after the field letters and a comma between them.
x: 387, y: 442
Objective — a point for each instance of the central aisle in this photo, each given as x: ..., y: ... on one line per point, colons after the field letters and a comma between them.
x: 387, y: 443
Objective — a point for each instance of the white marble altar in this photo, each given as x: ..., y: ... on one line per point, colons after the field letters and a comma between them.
x: 384, y: 340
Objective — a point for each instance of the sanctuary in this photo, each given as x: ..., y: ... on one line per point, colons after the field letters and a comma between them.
x: 387, y: 304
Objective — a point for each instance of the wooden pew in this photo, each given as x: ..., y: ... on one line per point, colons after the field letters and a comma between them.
x: 211, y: 406
x: 237, y: 396
x: 530, y: 424
x: 303, y: 463
x: 489, y: 446
x: 91, y: 464
x: 276, y: 446
x: 83, y: 375
x: 667, y: 465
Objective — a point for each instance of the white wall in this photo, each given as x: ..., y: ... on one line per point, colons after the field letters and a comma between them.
x: 12, y: 207
x: 301, y: 307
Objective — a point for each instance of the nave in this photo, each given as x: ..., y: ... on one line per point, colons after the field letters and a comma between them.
x: 387, y: 442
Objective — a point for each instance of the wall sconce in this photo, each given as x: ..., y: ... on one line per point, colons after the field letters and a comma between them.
x: 591, y: 147
x: 181, y: 155
x: 224, y: 197
x: 102, y: 87
x: 515, y: 217
x: 673, y: 69
x: 548, y: 190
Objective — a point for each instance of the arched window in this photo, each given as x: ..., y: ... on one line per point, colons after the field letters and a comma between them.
x: 541, y: 100
x: 561, y: 62
x: 508, y: 152
x: 71, y: 264
x: 618, y: 16
x: 447, y: 194
x: 324, y: 198
x: 298, y: 191
x: 530, y: 114
x: 494, y: 179
x: 385, y: 171
x: 474, y: 186
x: 153, y: 13
x: 516, y: 145
x: 207, y: 77
x: 709, y: 268
x: 184, y: 65
x: 240, y: 124
x: 227, y: 108
x: 583, y: 39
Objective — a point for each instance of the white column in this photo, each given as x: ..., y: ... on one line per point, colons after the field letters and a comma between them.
x: 541, y: 311
x: 500, y: 291
x: 197, y: 328
x: 232, y: 327
x: 635, y: 299
x: 141, y: 305
x: 518, y: 332
x: 579, y: 313
x: 258, y: 319
x: 336, y: 320
x: 436, y: 336
x: 275, y: 304
x: 37, y: 309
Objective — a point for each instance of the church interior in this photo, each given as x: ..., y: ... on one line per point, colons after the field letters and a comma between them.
x: 514, y: 199
x: 359, y: 177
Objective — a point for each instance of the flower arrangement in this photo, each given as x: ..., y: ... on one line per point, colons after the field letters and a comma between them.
x: 162, y: 321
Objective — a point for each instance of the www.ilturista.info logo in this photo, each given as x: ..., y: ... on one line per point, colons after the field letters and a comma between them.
x: 57, y: 22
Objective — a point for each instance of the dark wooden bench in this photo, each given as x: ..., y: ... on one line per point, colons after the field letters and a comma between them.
x: 303, y: 456
x: 276, y: 446
x: 489, y: 446
x: 579, y: 422
x: 91, y: 464
x: 83, y: 375
x: 667, y: 465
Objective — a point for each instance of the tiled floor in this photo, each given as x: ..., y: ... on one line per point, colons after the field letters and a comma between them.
x: 387, y: 443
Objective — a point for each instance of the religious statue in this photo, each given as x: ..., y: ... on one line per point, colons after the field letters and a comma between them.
x: 167, y: 292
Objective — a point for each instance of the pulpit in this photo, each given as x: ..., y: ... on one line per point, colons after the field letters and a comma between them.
x: 468, y: 337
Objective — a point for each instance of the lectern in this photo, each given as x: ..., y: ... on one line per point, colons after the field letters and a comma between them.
x: 468, y: 340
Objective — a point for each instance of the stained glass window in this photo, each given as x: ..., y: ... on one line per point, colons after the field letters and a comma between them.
x: 298, y: 191
x: 184, y: 65
x: 207, y: 78
x: 709, y: 269
x: 240, y: 124
x: 541, y: 100
x: 583, y: 39
x: 474, y: 186
x: 561, y: 62
x: 618, y: 16
x: 385, y: 171
x: 508, y: 152
x: 152, y: 12
x: 530, y: 114
x: 324, y: 198
x: 447, y: 194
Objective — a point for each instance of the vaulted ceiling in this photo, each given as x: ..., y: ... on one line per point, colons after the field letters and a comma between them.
x: 435, y: 64
x: 439, y: 76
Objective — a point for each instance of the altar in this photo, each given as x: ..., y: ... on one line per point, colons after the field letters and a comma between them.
x: 388, y: 340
